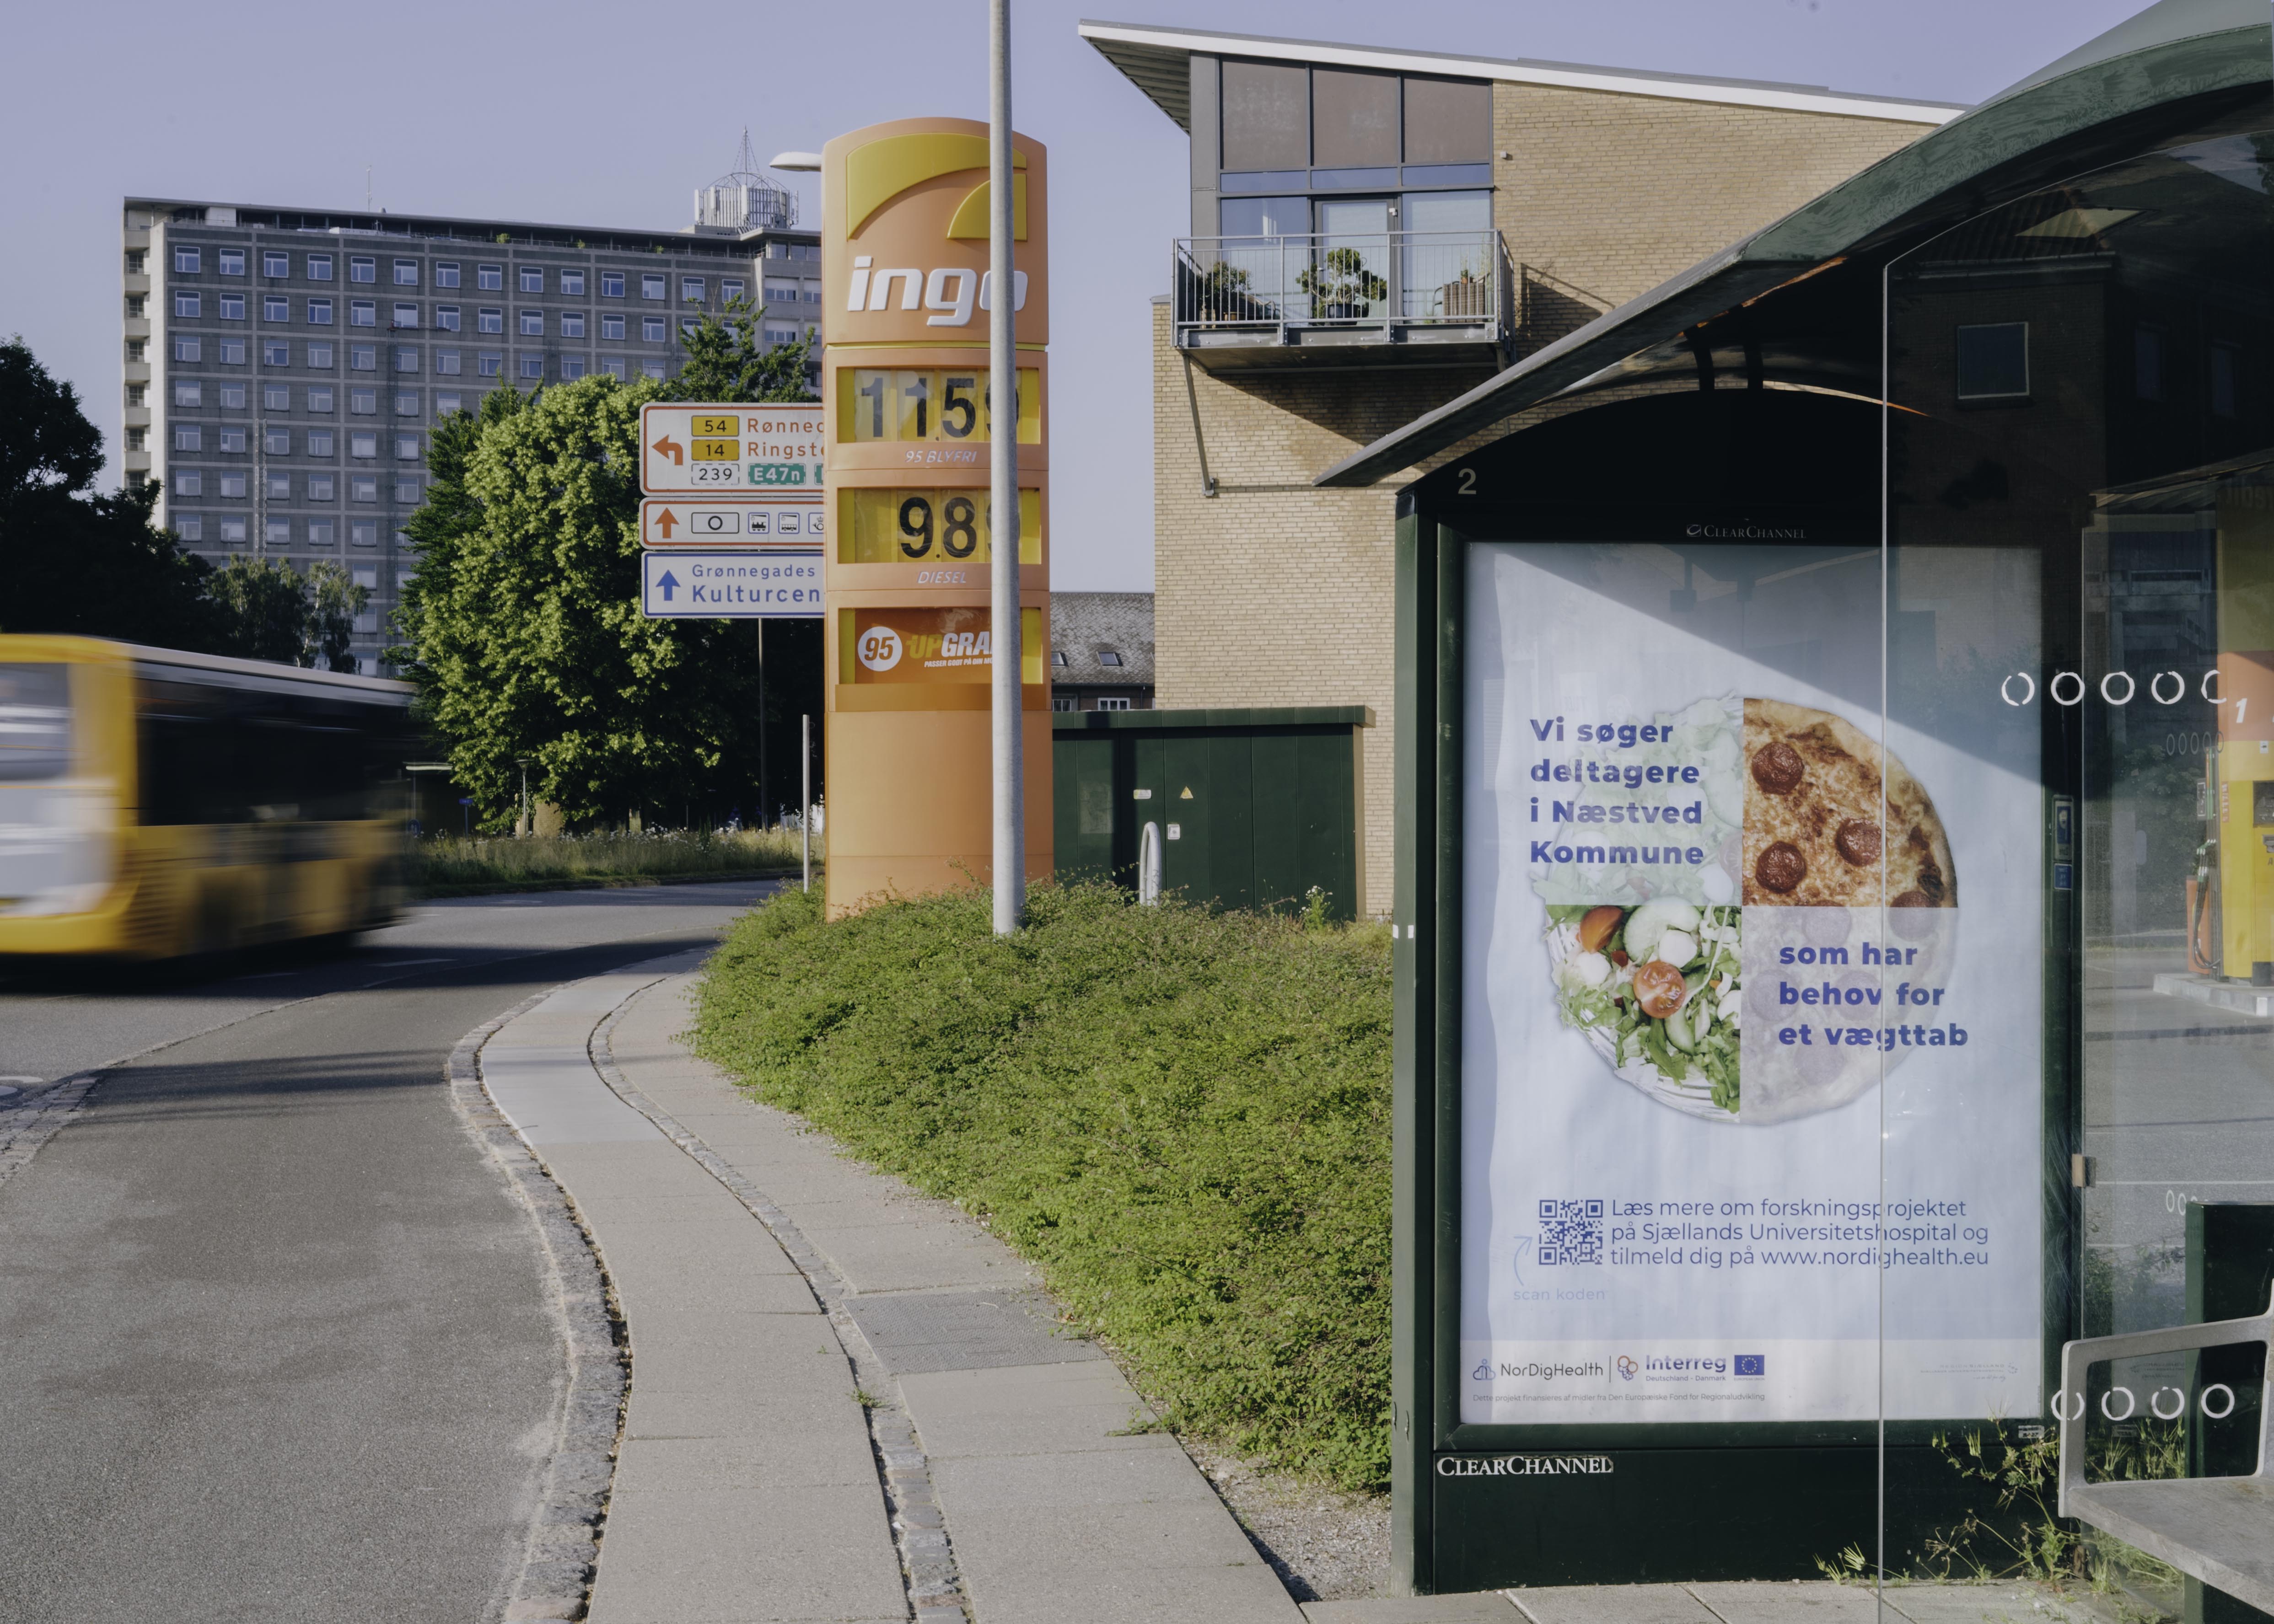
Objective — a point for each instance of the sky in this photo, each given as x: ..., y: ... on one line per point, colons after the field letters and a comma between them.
x: 582, y: 114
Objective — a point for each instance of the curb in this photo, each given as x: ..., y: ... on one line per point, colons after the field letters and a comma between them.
x: 554, y: 1576
x: 606, y: 881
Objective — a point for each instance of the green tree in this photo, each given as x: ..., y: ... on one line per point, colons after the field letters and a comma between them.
x: 277, y: 614
x: 76, y: 561
x: 523, y: 627
x: 726, y: 362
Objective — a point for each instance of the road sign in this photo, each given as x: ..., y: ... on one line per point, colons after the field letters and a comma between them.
x: 730, y: 448
x: 681, y: 583
x: 732, y: 522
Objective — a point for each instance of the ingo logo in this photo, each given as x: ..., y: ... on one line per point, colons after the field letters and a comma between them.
x: 1627, y: 1368
x: 879, y: 648
x: 879, y: 172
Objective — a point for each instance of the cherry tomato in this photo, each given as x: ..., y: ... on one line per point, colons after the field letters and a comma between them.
x: 1595, y: 927
x: 1659, y: 986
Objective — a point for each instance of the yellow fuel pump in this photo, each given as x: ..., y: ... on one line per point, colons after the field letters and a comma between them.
x: 2243, y: 760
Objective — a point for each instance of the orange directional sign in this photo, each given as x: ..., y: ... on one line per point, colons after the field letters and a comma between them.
x: 731, y: 448
x: 760, y: 522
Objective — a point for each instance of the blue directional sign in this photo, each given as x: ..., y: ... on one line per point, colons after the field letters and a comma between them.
x: 682, y: 584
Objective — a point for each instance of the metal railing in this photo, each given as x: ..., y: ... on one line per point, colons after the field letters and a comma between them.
x: 1394, y: 278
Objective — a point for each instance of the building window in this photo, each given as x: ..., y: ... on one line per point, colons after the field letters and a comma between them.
x: 278, y: 486
x: 276, y: 307
x: 232, y: 528
x: 276, y: 263
x: 137, y: 348
x: 277, y: 532
x: 650, y: 369
x: 2148, y: 363
x: 231, y: 351
x: 137, y: 440
x: 363, y: 403
x: 186, y: 348
x: 489, y: 364
x: 363, y: 358
x: 1266, y: 112
x: 781, y: 293
x: 275, y: 397
x: 277, y: 354
x: 276, y: 442
x: 532, y: 279
x: 323, y: 487
x: 532, y: 366
x: 489, y: 321
x: 362, y: 488
x: 1120, y: 704
x: 489, y: 276
x: 233, y: 442
x: 446, y: 361
x: 406, y: 273
x: 406, y: 492
x: 1108, y: 657
x: 406, y: 405
x: 612, y: 284
x: 364, y: 533
x: 2225, y: 365
x: 652, y: 328
x: 319, y: 355
x: 446, y: 317
x: 1061, y: 704
x: 231, y: 261
x: 572, y: 323
x: 189, y: 482
x: 232, y: 486
x: 362, y: 269
x: 406, y: 358
x: 406, y: 315
x: 189, y: 527
x: 572, y: 366
x: 232, y: 306
x: 689, y: 326
x: 446, y: 273
x: 189, y: 394
x: 319, y: 313
x: 135, y: 392
x: 187, y: 306
x: 446, y: 403
x: 321, y: 533
x: 1057, y: 656
x: 690, y: 291
x: 320, y: 443
x: 730, y: 289
x: 1993, y: 361
x: 651, y: 286
x: 612, y: 327
x: 532, y: 324
x: 363, y: 312
x: 319, y: 268
x: 614, y: 366
x: 189, y: 437
x: 778, y: 337
x: 185, y: 262
x: 232, y: 396
x: 572, y: 283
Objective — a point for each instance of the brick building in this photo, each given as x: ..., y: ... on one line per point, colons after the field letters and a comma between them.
x: 1375, y: 233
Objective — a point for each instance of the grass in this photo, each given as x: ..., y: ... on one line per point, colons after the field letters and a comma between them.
x: 1180, y: 1115
x: 458, y: 865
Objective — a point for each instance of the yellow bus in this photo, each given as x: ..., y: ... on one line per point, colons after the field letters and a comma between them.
x: 155, y: 803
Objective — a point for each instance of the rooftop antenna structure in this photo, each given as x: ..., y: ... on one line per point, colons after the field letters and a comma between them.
x: 746, y: 199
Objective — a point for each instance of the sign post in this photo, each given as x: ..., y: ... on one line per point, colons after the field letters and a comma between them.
x: 919, y: 538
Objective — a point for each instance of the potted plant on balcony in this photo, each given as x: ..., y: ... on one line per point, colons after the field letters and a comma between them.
x: 1340, y: 286
x: 1223, y: 294
x: 1465, y: 297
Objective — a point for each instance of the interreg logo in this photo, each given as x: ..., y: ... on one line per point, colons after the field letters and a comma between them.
x: 1752, y: 1364
x: 1627, y: 1368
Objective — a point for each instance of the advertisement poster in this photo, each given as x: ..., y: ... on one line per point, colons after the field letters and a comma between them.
x: 1752, y: 1005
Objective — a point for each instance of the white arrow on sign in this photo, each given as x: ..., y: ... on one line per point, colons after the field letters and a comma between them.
x: 733, y: 522
x: 738, y: 585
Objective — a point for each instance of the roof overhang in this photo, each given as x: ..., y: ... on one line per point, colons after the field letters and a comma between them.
x: 2125, y: 89
x: 1158, y: 61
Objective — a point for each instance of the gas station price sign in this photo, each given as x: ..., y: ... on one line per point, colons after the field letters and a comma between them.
x: 900, y: 526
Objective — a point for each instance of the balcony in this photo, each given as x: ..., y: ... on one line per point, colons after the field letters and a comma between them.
x: 1402, y: 298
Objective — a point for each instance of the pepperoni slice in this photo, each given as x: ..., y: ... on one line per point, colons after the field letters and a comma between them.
x: 1858, y: 841
x: 1778, y: 768
x: 1781, y: 868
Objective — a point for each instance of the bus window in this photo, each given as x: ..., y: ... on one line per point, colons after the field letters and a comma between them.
x: 35, y: 721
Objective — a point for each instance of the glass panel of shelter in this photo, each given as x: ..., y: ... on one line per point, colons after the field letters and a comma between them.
x: 2079, y: 642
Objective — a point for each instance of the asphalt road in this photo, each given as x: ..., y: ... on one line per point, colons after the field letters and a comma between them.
x: 274, y: 1338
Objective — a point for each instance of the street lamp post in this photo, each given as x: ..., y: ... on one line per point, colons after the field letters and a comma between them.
x: 1003, y: 573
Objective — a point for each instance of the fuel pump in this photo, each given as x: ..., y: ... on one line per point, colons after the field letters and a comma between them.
x: 2242, y: 691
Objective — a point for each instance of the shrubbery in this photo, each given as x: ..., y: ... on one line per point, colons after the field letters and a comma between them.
x: 1180, y: 1115
x: 447, y: 865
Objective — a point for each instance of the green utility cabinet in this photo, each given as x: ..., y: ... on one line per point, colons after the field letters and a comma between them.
x: 1255, y: 807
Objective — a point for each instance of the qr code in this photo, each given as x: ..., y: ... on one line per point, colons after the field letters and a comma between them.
x: 1571, y: 1232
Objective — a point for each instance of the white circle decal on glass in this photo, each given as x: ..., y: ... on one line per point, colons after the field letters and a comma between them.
x: 880, y: 648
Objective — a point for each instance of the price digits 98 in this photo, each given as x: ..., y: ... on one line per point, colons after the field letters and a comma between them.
x: 895, y: 407
x: 908, y: 527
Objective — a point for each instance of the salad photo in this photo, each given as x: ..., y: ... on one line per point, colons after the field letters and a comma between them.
x: 1656, y: 988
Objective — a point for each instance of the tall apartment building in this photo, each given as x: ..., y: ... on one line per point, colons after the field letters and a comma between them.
x: 283, y: 368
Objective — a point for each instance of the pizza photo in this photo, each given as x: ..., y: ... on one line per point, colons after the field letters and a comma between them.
x: 1828, y: 814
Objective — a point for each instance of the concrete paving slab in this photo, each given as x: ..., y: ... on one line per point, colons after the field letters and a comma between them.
x: 1476, y: 1607
x: 594, y: 1173
x: 806, y: 1550
x: 793, y: 1364
x: 1079, y: 1479
x: 730, y: 1464
x: 918, y: 1332
x: 1809, y: 1603
x: 1028, y: 1409
x: 1976, y: 1604
x: 1611, y: 1604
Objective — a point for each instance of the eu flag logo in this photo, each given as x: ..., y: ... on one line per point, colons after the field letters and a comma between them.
x: 1752, y: 1364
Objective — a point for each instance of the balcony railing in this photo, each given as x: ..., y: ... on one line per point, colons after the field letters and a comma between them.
x: 1411, y: 287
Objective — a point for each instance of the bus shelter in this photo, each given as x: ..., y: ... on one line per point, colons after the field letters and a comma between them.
x: 1836, y: 867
